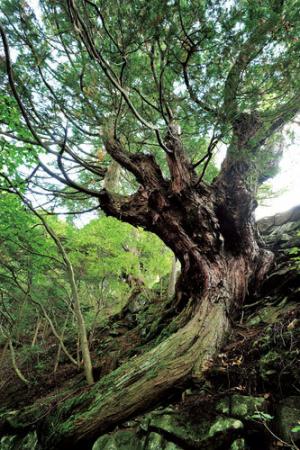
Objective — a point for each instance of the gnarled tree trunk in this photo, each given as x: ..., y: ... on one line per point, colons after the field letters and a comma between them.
x: 211, y: 231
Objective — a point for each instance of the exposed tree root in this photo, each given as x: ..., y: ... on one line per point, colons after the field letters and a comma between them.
x: 138, y: 384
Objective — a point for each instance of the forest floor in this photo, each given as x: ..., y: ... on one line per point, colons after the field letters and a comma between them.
x: 260, y: 359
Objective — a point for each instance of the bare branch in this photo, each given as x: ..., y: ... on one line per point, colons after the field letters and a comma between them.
x: 39, y: 142
x: 190, y: 90
x: 81, y: 28
x: 144, y: 167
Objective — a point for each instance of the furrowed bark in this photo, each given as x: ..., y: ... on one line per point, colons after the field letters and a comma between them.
x: 133, y: 388
x: 211, y: 231
x: 211, y: 288
x: 139, y: 384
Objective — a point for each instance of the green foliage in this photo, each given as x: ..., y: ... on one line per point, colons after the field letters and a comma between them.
x: 296, y: 429
x: 260, y: 415
x: 15, y: 153
x: 295, y: 252
x: 238, y: 52
x: 106, y: 247
x: 109, y: 259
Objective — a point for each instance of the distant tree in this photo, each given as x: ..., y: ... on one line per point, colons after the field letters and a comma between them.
x: 157, y: 87
x: 49, y: 269
x: 25, y: 257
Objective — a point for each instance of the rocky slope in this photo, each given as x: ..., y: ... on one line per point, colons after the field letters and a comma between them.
x: 251, y: 396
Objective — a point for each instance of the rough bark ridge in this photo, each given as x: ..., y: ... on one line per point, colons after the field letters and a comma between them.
x: 211, y: 231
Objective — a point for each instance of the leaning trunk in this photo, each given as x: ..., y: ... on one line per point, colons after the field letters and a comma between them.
x: 140, y: 383
x: 211, y: 231
x: 212, y: 285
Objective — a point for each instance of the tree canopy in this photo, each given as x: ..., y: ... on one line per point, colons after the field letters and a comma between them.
x: 84, y: 72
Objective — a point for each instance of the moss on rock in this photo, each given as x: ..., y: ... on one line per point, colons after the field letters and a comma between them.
x: 120, y: 440
x: 224, y: 425
x: 242, y: 406
x: 28, y: 442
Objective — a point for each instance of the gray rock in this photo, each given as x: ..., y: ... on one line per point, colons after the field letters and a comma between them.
x: 197, y: 433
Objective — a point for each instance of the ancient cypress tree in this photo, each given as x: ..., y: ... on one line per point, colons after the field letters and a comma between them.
x: 158, y: 87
